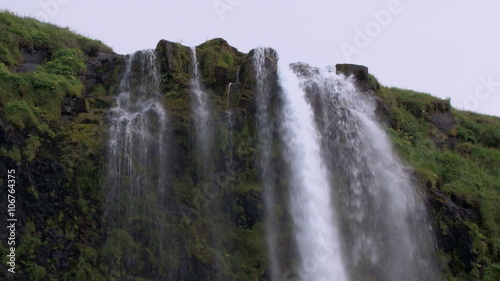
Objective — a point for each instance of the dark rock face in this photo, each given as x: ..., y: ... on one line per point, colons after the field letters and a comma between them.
x: 47, y: 175
x: 359, y: 72
x: 32, y: 59
x: 445, y: 123
x: 74, y: 106
x: 101, y: 70
x: 166, y: 50
x: 303, y: 69
x: 41, y: 194
x: 452, y: 231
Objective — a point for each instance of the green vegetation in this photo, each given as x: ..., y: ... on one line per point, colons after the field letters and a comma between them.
x: 57, y: 157
x: 219, y: 233
x: 219, y: 64
x: 28, y: 100
x: 66, y: 62
x: 18, y: 33
x: 457, y: 156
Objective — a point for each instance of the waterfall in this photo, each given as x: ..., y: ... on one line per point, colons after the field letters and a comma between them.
x: 316, y: 229
x: 385, y: 231
x: 136, y: 168
x: 266, y: 127
x: 324, y: 161
x: 209, y: 176
x: 202, y: 118
x: 229, y: 133
x: 136, y: 146
x: 356, y: 212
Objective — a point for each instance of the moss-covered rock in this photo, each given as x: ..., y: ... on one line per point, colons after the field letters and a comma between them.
x: 54, y: 138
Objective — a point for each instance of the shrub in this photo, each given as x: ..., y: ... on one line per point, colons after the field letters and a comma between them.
x: 20, y: 114
x: 66, y: 62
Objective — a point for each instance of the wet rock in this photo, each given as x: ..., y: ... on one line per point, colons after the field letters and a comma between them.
x: 303, y: 69
x: 360, y: 73
x: 166, y: 50
x: 451, y: 219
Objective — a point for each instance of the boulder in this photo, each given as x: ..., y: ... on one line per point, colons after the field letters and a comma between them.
x: 360, y: 73
x: 302, y: 69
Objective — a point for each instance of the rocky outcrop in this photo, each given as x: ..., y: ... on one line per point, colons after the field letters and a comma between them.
x: 443, y: 120
x: 74, y: 106
x: 360, y: 73
x: 451, y: 222
x: 102, y: 69
x: 31, y: 59
x: 303, y: 69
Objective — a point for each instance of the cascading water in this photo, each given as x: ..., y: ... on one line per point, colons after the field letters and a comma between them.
x: 202, y: 118
x: 136, y: 145
x: 136, y: 168
x: 266, y: 127
x: 316, y: 229
x: 356, y: 215
x: 208, y: 179
x: 229, y: 117
x: 229, y: 133
x: 385, y: 232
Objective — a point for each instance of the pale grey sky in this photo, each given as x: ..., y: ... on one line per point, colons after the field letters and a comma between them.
x: 448, y: 48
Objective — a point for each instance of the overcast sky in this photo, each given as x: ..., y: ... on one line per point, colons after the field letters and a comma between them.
x: 448, y: 48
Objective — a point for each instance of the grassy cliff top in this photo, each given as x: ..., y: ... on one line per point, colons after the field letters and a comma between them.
x: 18, y: 33
x: 456, y: 155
